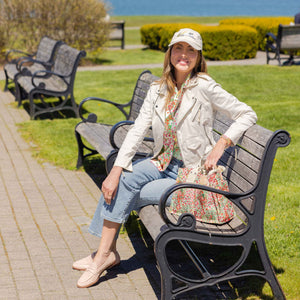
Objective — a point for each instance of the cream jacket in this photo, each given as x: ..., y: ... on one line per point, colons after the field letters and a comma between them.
x: 202, y: 98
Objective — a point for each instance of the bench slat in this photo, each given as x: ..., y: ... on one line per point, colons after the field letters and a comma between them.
x: 120, y: 134
x: 97, y: 135
x: 245, y: 171
x: 253, y: 140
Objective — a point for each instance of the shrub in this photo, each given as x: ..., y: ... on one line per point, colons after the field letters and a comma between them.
x: 79, y: 23
x: 2, y: 37
x: 263, y: 25
x: 219, y: 42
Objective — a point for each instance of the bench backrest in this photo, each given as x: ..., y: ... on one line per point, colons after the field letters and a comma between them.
x: 249, y: 164
x: 117, y: 30
x: 140, y: 91
x: 47, y: 49
x: 66, y: 61
x: 289, y: 37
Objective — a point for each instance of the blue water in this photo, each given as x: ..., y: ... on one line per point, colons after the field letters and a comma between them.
x: 204, y: 7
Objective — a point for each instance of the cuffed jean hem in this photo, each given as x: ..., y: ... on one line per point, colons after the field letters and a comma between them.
x: 120, y: 221
x: 94, y: 233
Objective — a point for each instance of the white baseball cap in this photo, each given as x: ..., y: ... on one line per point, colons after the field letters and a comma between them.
x: 189, y: 36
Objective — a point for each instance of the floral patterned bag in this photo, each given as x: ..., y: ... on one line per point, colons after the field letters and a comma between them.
x: 204, y: 205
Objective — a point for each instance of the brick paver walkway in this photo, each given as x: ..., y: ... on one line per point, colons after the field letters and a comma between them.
x: 43, y: 219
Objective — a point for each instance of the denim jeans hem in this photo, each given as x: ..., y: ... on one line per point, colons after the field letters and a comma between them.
x: 119, y: 221
x: 94, y: 233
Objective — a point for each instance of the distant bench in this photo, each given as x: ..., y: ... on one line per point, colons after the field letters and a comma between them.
x: 57, y: 82
x: 287, y: 39
x: 42, y: 59
x: 118, y: 32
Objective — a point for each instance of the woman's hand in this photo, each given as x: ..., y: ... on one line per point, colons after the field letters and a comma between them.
x: 110, y: 184
x: 216, y: 153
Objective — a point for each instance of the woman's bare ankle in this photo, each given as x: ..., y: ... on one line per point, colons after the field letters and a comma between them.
x: 101, y: 258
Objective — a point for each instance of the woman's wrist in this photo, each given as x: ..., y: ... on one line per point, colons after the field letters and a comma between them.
x: 116, y: 170
x: 227, y: 140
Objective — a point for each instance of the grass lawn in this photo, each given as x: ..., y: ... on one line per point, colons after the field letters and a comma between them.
x: 132, y: 57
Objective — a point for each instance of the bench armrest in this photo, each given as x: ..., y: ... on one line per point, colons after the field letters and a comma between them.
x: 271, y: 35
x: 24, y: 55
x: 233, y: 197
x: 25, y: 60
x: 119, y: 125
x: 114, y: 130
x: 47, y: 73
x: 271, y: 41
x: 92, y: 117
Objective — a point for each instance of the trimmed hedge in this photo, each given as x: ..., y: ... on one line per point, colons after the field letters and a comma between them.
x: 224, y: 42
x: 263, y: 25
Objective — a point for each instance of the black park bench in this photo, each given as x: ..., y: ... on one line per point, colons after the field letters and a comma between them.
x: 185, y: 273
x: 193, y: 268
x: 94, y: 137
x: 117, y: 32
x: 42, y: 59
x: 286, y: 40
x: 57, y: 82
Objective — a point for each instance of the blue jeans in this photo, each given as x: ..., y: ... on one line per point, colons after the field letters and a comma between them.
x: 143, y: 186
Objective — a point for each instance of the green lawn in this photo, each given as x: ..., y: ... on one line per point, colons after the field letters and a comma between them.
x: 132, y: 57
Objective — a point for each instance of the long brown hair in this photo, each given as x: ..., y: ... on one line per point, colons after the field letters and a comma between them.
x: 168, y: 76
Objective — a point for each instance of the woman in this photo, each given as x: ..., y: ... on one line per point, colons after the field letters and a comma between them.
x: 180, y: 108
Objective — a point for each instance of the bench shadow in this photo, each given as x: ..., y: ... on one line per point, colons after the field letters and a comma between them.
x: 143, y: 246
x: 51, y: 102
x: 94, y: 166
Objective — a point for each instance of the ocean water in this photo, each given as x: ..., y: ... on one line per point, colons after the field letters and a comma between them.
x: 204, y: 7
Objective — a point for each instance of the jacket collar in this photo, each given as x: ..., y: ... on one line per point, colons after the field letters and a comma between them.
x: 162, y: 90
x: 185, y: 107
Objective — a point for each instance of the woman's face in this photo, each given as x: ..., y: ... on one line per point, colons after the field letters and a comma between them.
x: 183, y: 57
